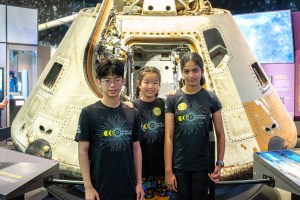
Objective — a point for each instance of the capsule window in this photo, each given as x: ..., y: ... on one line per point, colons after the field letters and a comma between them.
x: 215, y: 45
x: 259, y: 74
x: 53, y: 75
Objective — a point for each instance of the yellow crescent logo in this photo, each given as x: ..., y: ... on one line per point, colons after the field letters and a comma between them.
x: 180, y: 118
x: 182, y: 106
x: 145, y: 126
x: 105, y: 133
x: 157, y: 111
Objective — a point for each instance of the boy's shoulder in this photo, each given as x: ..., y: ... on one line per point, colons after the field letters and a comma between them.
x: 92, y: 106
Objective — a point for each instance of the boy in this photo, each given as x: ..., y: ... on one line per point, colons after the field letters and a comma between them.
x: 108, y: 141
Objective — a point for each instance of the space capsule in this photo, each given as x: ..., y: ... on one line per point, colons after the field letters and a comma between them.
x: 155, y: 33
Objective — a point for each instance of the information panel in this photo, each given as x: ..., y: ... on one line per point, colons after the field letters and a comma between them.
x: 282, y: 77
x: 21, y: 173
x: 282, y: 165
x: 297, y: 86
x: 296, y: 29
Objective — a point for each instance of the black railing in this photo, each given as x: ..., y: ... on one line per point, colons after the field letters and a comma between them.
x: 270, y: 181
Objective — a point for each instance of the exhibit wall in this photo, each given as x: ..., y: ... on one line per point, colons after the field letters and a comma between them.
x: 297, y: 86
x: 2, y: 23
x: 22, y: 25
x: 296, y: 30
x: 274, y: 37
x: 18, y: 59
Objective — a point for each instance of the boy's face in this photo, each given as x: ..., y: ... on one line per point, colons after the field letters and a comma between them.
x: 111, y: 85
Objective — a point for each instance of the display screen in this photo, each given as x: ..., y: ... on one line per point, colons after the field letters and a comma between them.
x: 269, y: 35
x: 285, y: 161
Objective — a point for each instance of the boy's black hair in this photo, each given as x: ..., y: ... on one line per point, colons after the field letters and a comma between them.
x: 109, y: 67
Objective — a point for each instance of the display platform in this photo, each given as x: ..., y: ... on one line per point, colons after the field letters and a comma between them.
x: 282, y: 165
x: 21, y: 173
x: 4, y: 133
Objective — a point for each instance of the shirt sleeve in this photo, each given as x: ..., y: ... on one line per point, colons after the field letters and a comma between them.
x: 216, y: 104
x: 137, y: 130
x: 84, y: 128
x: 135, y: 103
x: 169, y: 106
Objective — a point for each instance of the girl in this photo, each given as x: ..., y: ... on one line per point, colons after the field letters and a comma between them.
x: 187, y: 120
x: 152, y: 111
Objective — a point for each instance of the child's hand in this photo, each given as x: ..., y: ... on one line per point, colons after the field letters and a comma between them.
x: 215, y: 176
x: 172, y: 93
x: 5, y: 101
x: 129, y: 104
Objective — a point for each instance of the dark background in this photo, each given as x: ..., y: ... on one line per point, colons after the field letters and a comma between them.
x: 54, y: 9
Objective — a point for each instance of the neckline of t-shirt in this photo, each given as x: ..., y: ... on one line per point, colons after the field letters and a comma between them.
x: 149, y: 102
x: 202, y: 89
x: 108, y: 106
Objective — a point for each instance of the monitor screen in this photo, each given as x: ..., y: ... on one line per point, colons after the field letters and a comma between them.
x: 269, y: 35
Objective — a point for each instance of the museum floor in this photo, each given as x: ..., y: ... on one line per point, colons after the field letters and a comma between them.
x: 267, y: 193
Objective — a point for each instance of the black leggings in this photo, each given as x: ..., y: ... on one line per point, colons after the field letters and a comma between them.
x: 191, y: 185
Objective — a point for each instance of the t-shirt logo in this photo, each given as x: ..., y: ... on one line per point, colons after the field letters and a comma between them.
x: 115, y: 133
x: 182, y: 106
x: 151, y: 126
x: 190, y: 117
x: 157, y: 111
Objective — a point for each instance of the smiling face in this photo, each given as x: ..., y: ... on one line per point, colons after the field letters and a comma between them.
x: 111, y: 86
x: 192, y: 74
x: 149, y: 86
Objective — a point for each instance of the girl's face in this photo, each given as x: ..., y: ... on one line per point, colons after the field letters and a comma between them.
x: 191, y: 73
x: 150, y: 85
